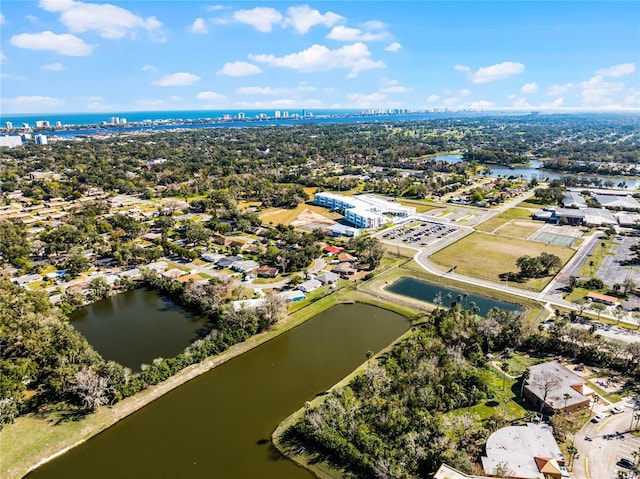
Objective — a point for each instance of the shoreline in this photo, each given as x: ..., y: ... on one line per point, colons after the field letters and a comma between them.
x: 106, y: 416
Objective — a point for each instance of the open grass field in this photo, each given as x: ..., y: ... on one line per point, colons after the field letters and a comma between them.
x: 519, y: 229
x: 281, y: 216
x: 420, y: 206
x: 486, y: 256
x: 503, y: 218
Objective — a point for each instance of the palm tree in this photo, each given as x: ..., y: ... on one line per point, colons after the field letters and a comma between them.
x: 525, y: 376
x: 567, y: 396
x: 596, y: 398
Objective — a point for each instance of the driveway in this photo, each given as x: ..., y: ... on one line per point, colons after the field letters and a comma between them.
x: 609, y: 441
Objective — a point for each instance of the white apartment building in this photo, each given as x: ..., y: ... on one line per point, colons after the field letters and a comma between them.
x: 363, y: 211
x: 10, y: 141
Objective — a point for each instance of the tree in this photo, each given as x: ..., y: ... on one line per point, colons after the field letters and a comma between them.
x: 90, y: 389
x: 547, y: 383
x: 549, y: 262
x: 76, y: 262
x: 524, y: 377
x: 98, y: 289
x: 598, y: 307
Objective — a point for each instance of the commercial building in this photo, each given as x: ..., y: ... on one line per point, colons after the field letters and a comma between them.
x: 363, y: 211
x: 41, y: 139
x: 552, y: 387
x: 524, y: 452
x: 10, y: 141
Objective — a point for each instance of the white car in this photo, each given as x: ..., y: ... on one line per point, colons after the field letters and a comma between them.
x: 617, y: 409
x: 598, y: 417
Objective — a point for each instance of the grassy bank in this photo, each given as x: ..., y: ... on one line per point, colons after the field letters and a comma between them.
x: 34, y: 439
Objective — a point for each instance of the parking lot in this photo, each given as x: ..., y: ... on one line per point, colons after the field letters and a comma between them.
x: 419, y: 233
x: 611, y: 271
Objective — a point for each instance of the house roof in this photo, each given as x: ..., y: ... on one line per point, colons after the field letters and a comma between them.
x: 567, y: 383
x: 602, y: 297
x: 520, y: 447
x: 548, y: 465
x: 333, y: 249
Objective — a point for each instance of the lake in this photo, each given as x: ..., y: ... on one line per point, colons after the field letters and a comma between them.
x: 426, y: 291
x: 137, y: 326
x: 219, y: 424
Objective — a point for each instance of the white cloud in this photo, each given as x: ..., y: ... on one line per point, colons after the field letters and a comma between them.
x: 109, y: 21
x: 32, y: 18
x: 347, y: 34
x: 462, y: 68
x: 355, y: 58
x: 632, y: 98
x: 433, y: 98
x: 64, y: 44
x: 211, y: 96
x: 464, y: 92
x: 176, y: 98
x: 302, y: 18
x: 396, y: 89
x: 31, y: 104
x: 151, y: 103
x: 260, y: 18
x: 555, y: 90
x: 214, y: 8
x: 359, y: 100
x: 618, y: 70
x: 177, y: 79
x: 393, y: 47
x: 2, y: 19
x: 481, y: 105
x: 280, y: 103
x: 558, y: 102
x: 495, y: 72
x: 3, y: 57
x: 452, y: 101
x: 53, y: 67
x: 598, y: 92
x: 149, y: 68
x: 199, y: 26
x: 521, y: 103
x: 257, y: 90
x: 239, y: 69
x: 529, y: 88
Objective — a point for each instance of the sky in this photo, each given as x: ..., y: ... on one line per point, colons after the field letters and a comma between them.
x: 89, y: 56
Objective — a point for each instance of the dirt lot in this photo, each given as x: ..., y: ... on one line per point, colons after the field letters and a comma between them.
x: 310, y: 220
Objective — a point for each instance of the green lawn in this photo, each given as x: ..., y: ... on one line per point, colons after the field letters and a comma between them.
x: 498, y: 255
x: 519, y: 229
x: 503, y: 218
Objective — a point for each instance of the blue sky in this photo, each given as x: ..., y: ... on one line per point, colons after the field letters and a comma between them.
x: 85, y: 56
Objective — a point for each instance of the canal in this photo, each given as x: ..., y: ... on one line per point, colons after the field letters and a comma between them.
x: 426, y: 291
x: 138, y: 326
x: 219, y: 424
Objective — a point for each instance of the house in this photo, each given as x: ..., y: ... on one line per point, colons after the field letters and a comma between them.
x: 158, y: 266
x: 332, y: 249
x: 212, y: 257
x: 309, y: 285
x: 27, y: 279
x: 346, y: 257
x: 551, y: 386
x: 194, y: 277
x: 524, y: 452
x: 173, y: 273
x: 345, y: 269
x: 131, y: 274
x: 221, y: 240
x: 291, y: 296
x: 227, y: 261
x: 266, y: 272
x: 244, y: 266
x: 343, y: 230
x: 602, y: 298
x: 328, y: 278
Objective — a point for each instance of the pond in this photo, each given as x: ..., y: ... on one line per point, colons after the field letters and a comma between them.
x: 137, y: 326
x: 426, y: 291
x: 220, y: 424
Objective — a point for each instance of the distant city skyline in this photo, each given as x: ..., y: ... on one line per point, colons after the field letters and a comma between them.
x: 78, y: 56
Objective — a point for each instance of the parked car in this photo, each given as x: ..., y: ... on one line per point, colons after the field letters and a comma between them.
x: 626, y: 463
x: 617, y: 409
x: 598, y: 417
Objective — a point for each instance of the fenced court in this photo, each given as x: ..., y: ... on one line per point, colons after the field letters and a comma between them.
x: 554, y: 238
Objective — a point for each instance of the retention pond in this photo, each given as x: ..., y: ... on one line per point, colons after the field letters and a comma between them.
x: 220, y: 424
x: 428, y: 292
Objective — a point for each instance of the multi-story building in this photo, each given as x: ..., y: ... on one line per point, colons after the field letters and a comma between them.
x: 9, y: 125
x: 10, y: 141
x: 363, y: 211
x: 41, y: 139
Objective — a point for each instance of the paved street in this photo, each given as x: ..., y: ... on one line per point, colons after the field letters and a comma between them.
x: 608, y: 441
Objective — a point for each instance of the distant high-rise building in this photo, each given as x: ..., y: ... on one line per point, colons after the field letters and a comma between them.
x: 58, y: 123
x: 42, y: 124
x: 25, y: 125
x: 10, y: 141
x: 41, y: 139
x: 9, y: 125
x: 123, y: 121
x: 285, y: 114
x: 114, y: 120
x: 277, y: 114
x: 226, y: 116
x: 241, y: 116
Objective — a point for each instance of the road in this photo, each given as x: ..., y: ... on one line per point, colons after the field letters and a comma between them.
x: 551, y: 297
x: 609, y: 440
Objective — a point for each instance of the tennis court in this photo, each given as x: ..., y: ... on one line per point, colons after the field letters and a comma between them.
x: 554, y: 238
